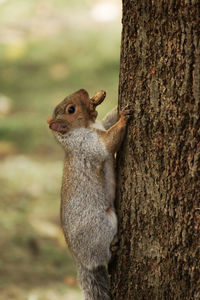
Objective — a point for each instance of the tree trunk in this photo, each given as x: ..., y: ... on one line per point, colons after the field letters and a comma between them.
x: 158, y: 190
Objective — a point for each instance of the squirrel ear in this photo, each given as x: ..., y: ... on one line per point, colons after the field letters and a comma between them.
x: 83, y: 96
x: 83, y: 93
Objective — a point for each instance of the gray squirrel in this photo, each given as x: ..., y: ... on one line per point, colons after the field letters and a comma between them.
x: 88, y: 215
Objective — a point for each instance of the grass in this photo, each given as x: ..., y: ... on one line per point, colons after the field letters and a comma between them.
x: 38, y: 69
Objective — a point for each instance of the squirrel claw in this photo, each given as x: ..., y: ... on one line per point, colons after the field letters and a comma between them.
x: 126, y: 113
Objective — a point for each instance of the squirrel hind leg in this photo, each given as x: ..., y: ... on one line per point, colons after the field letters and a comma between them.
x: 95, y: 283
x: 92, y: 248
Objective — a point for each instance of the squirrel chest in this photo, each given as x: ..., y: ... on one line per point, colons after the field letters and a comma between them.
x: 84, y: 182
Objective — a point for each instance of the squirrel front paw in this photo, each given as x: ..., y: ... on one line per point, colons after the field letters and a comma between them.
x: 126, y: 113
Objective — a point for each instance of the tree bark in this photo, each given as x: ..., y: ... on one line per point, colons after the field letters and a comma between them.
x: 158, y: 166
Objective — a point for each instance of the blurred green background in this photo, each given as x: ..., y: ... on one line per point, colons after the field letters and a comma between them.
x: 48, y: 49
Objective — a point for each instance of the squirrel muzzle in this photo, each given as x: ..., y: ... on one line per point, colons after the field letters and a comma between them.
x: 59, y: 126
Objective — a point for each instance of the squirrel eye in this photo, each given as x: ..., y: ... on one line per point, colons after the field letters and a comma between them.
x: 71, y: 109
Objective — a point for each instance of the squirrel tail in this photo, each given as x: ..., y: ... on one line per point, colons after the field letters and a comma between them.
x: 95, y: 283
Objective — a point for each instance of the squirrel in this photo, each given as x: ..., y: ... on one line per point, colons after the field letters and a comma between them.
x: 88, y: 217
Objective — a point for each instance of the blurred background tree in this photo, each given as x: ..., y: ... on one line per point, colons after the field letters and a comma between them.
x: 48, y: 49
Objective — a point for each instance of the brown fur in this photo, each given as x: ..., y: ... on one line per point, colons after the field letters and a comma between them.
x: 62, y: 121
x: 113, y: 137
x: 88, y: 188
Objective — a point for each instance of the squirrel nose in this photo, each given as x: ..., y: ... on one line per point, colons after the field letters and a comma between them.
x: 49, y: 119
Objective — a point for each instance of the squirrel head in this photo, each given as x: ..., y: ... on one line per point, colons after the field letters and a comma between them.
x: 74, y: 111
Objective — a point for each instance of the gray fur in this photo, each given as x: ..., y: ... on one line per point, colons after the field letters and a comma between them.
x: 110, y: 118
x: 89, y: 229
x: 95, y: 282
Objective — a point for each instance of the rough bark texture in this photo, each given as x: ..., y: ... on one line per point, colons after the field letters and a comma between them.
x: 158, y: 191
